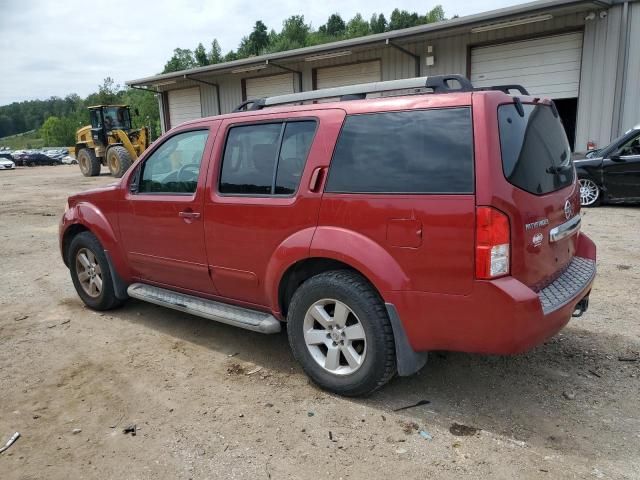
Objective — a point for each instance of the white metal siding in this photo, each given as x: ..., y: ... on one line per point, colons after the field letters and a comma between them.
x: 548, y: 66
x: 348, y: 74
x: 184, y: 105
x: 267, y: 86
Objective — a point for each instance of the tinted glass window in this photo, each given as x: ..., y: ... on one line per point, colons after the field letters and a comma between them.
x: 296, y: 142
x: 536, y: 156
x: 421, y: 151
x: 251, y: 164
x: 630, y: 147
x: 174, y: 167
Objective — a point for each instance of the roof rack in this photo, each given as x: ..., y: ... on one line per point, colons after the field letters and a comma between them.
x: 436, y: 84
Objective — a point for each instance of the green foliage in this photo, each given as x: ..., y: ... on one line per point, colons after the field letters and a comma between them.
x: 215, y: 54
x: 58, y: 131
x: 378, y: 24
x: 200, y: 56
x: 182, y: 59
x: 335, y: 26
x: 357, y: 27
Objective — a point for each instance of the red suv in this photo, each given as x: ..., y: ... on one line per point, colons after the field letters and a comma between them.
x: 433, y: 217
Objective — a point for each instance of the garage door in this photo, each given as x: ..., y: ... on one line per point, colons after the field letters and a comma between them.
x: 184, y: 105
x: 267, y: 86
x: 353, y: 74
x: 548, y: 66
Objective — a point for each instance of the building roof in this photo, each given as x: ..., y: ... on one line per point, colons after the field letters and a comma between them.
x: 493, y: 16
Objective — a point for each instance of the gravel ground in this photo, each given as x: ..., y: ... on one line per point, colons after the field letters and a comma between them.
x: 212, y: 401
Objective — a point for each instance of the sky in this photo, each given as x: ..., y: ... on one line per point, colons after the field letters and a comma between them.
x: 54, y: 48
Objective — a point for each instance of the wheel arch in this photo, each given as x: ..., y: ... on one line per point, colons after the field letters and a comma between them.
x: 327, y: 248
x: 85, y: 217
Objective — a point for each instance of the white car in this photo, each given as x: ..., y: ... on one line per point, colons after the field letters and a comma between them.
x: 69, y: 160
x: 6, y: 164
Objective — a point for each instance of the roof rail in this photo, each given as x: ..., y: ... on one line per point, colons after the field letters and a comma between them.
x: 437, y: 84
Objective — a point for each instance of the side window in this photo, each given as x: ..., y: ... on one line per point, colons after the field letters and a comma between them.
x: 420, y: 151
x: 267, y: 158
x: 174, y: 167
x: 630, y: 147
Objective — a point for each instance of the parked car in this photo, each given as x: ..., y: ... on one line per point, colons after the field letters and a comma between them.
x: 69, y: 160
x: 611, y: 174
x: 36, y: 158
x: 6, y: 164
x: 378, y: 229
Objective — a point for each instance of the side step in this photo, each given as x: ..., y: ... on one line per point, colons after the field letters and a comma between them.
x: 220, y: 312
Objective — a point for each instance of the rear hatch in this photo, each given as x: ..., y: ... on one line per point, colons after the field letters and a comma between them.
x: 536, y: 160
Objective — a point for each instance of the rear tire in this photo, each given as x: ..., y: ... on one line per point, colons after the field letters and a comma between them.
x: 90, y: 273
x: 89, y: 163
x: 119, y: 160
x: 353, y: 357
x: 590, y: 193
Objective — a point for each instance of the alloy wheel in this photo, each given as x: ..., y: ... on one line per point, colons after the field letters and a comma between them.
x: 334, y: 337
x: 89, y: 272
x: 589, y: 192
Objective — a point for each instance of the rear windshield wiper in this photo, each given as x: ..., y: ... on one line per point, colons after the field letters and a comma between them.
x: 555, y: 170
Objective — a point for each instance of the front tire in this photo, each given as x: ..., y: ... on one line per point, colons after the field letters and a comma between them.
x: 90, y: 272
x: 89, y: 163
x: 340, y: 333
x: 590, y: 193
x: 119, y: 160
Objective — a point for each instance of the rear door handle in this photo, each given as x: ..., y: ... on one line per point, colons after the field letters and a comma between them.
x: 190, y: 215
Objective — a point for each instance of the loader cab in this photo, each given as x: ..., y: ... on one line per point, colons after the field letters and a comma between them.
x: 104, y: 119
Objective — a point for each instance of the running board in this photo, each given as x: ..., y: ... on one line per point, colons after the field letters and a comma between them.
x: 220, y: 312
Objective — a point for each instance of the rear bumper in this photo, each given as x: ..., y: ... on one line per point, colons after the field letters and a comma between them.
x: 501, y: 316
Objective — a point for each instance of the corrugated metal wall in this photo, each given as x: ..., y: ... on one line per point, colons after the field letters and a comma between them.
x: 597, y: 81
x: 631, y: 89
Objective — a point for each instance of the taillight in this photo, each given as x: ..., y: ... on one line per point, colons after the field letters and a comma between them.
x: 493, y: 244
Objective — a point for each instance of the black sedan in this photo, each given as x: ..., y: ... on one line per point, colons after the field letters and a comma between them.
x: 36, y: 158
x: 611, y: 174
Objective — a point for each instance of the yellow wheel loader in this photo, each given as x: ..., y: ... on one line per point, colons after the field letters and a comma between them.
x: 109, y: 140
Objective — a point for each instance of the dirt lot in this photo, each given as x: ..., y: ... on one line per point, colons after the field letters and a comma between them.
x: 211, y: 401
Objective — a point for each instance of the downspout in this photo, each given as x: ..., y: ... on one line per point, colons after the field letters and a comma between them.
x: 204, y: 82
x: 269, y: 62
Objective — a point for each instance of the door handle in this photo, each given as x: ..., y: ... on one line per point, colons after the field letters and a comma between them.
x: 189, y: 215
x: 316, y: 178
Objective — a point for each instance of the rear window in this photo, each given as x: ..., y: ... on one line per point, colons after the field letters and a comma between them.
x: 536, y: 156
x: 418, y: 151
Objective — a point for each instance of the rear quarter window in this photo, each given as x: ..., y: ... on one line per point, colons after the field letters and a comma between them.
x: 418, y: 151
x: 536, y: 155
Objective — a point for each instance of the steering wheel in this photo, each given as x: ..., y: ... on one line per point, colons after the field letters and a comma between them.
x: 192, y: 168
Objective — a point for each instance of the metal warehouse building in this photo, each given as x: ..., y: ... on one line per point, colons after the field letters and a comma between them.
x: 583, y: 54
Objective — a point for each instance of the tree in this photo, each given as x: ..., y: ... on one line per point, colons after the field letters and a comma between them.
x: 294, y: 33
x: 436, y: 14
x: 335, y: 26
x: 215, y: 54
x: 182, y: 59
x: 231, y: 56
x: 200, y: 56
x: 258, y: 39
x: 58, y: 131
x: 357, y: 27
x: 377, y: 24
x: 108, y: 92
x: 403, y: 19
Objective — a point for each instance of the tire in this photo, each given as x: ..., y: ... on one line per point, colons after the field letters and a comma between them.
x: 89, y: 164
x: 118, y: 160
x: 590, y: 193
x: 376, y: 351
x: 87, y: 244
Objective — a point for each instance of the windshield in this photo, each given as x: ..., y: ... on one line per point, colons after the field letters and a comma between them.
x: 536, y: 156
x: 116, y: 118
